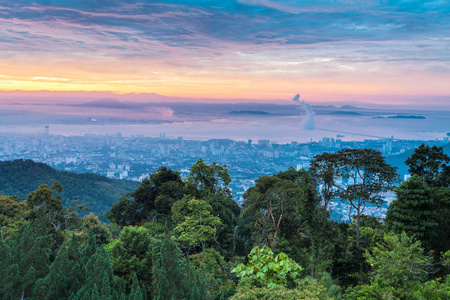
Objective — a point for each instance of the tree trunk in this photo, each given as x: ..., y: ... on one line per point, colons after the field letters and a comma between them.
x: 313, y: 274
x: 361, y: 260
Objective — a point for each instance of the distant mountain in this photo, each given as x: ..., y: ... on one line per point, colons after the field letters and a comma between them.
x: 341, y: 113
x: 249, y: 112
x: 349, y: 107
x: 20, y: 177
x: 406, y: 117
x: 400, y: 117
x: 323, y: 107
x: 106, y: 103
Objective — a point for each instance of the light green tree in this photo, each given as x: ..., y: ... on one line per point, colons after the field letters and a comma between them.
x: 398, y: 262
x: 199, y: 225
x: 264, y: 269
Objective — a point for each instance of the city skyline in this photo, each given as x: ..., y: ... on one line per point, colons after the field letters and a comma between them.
x: 379, y: 52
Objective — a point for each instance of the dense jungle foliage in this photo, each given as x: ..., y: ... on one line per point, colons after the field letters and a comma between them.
x: 175, y: 238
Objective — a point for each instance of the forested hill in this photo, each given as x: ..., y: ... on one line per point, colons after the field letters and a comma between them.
x: 20, y: 177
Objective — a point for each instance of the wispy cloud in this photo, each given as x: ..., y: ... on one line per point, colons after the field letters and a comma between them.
x: 178, y: 43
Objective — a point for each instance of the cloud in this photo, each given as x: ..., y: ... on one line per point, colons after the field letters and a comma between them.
x: 259, y: 38
x: 203, y: 23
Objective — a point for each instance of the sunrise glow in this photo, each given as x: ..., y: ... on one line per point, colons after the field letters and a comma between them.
x: 247, y: 49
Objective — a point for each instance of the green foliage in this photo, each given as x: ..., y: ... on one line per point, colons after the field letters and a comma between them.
x: 48, y: 252
x: 430, y: 163
x: 305, y: 289
x: 368, y: 177
x: 131, y: 254
x: 216, y: 271
x: 398, y: 262
x: 209, y: 182
x: 412, y: 211
x: 97, y: 192
x: 334, y: 291
x: 25, y: 259
x: 269, y: 208
x: 155, y: 195
x: 316, y: 227
x: 91, y: 224
x: 207, y: 179
x: 370, y: 292
x: 13, y: 215
x: 346, y: 257
x: 434, y: 290
x: 366, y: 171
x: 173, y: 276
x: 199, y: 225
x: 431, y: 290
x: 265, y: 269
x: 441, y: 211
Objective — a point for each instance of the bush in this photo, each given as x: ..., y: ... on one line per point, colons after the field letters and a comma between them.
x: 305, y: 289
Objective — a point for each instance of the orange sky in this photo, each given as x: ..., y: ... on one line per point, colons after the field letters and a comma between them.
x: 259, y: 50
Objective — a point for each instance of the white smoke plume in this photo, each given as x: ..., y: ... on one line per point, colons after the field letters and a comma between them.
x: 308, y: 123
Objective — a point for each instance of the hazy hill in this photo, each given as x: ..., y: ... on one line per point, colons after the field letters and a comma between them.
x: 106, y: 103
x: 19, y: 177
x: 399, y: 160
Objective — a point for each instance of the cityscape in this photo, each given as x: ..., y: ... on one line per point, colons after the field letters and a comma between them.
x: 135, y: 157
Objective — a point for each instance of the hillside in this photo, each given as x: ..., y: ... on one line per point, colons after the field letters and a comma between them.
x: 19, y: 177
x: 399, y: 160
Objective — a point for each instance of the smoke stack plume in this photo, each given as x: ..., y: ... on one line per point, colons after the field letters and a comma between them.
x: 308, y: 123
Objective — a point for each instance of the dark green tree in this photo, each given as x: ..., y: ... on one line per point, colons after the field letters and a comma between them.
x: 412, y: 211
x: 430, y: 163
x: 26, y: 258
x: 45, y: 203
x: 173, y: 276
x: 205, y: 179
x: 131, y: 254
x: 316, y: 226
x: 154, y: 196
x: 399, y: 267
x: 270, y: 207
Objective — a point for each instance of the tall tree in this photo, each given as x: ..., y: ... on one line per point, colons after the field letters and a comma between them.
x: 399, y: 262
x: 360, y: 177
x: 316, y: 225
x: 271, y: 205
x: 412, y: 211
x: 173, y: 276
x: 44, y: 202
x: 322, y: 169
x: 26, y: 259
x: 210, y: 183
x: 430, y: 163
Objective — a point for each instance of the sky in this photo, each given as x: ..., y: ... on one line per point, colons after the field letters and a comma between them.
x: 383, y: 52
